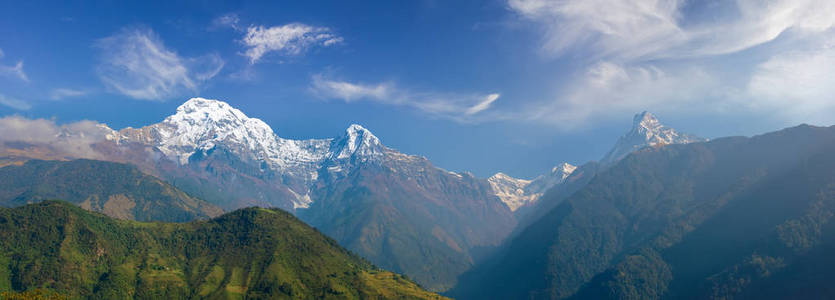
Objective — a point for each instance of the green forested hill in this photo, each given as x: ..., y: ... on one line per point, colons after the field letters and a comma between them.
x: 117, y: 190
x: 249, y: 253
x: 734, y: 218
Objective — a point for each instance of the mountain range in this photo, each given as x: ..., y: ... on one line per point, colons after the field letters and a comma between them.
x: 522, y: 196
x: 663, y: 215
x: 735, y: 217
x: 397, y: 210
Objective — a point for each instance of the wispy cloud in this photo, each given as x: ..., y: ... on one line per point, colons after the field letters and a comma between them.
x: 14, y: 71
x: 609, y: 89
x: 350, y: 92
x: 136, y: 63
x: 484, y: 104
x: 459, y: 107
x: 14, y: 103
x: 290, y: 39
x: 63, y: 93
x: 664, y: 55
x: 230, y: 20
x: 799, y: 84
x: 650, y: 29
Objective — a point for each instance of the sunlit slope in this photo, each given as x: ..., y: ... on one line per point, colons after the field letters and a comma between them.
x: 249, y: 253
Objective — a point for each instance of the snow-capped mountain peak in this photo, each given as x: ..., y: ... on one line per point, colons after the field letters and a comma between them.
x: 510, y: 190
x: 516, y: 192
x: 543, y: 183
x: 202, y: 124
x: 646, y: 131
x: 357, y: 141
x: 645, y: 120
x: 205, y: 110
x: 563, y: 169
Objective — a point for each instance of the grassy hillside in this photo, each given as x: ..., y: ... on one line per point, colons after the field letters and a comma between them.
x: 746, y: 218
x: 115, y: 189
x: 249, y: 253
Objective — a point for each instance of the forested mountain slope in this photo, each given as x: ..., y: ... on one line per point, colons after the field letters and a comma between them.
x: 731, y: 218
x: 249, y: 253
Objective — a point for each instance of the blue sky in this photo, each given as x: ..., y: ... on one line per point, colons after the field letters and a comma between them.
x: 483, y: 86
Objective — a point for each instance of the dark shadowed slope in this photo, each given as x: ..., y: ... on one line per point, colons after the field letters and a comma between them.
x: 734, y: 217
x: 249, y: 253
x: 115, y: 189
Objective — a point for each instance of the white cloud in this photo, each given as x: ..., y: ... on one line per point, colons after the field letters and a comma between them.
x: 459, y: 107
x: 608, y: 90
x: 666, y: 55
x: 14, y: 103
x: 481, y: 106
x: 73, y: 139
x: 137, y: 64
x: 625, y: 30
x: 14, y: 71
x: 62, y: 93
x: 290, y: 39
x: 350, y: 92
x: 621, y: 27
x: 228, y: 20
x: 798, y: 84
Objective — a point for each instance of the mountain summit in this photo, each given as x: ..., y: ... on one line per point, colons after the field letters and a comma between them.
x: 201, y: 125
x: 516, y: 193
x: 646, y: 131
x: 357, y: 141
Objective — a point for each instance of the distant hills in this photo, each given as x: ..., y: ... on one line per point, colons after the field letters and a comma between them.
x: 249, y: 253
x: 734, y: 217
x: 118, y: 190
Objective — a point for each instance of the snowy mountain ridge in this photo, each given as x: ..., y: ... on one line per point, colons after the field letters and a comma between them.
x: 646, y: 131
x: 516, y: 193
x: 200, y: 125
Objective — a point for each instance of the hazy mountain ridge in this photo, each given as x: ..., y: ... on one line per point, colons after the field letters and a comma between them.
x: 646, y: 131
x: 118, y: 190
x: 656, y: 225
x: 416, y: 219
